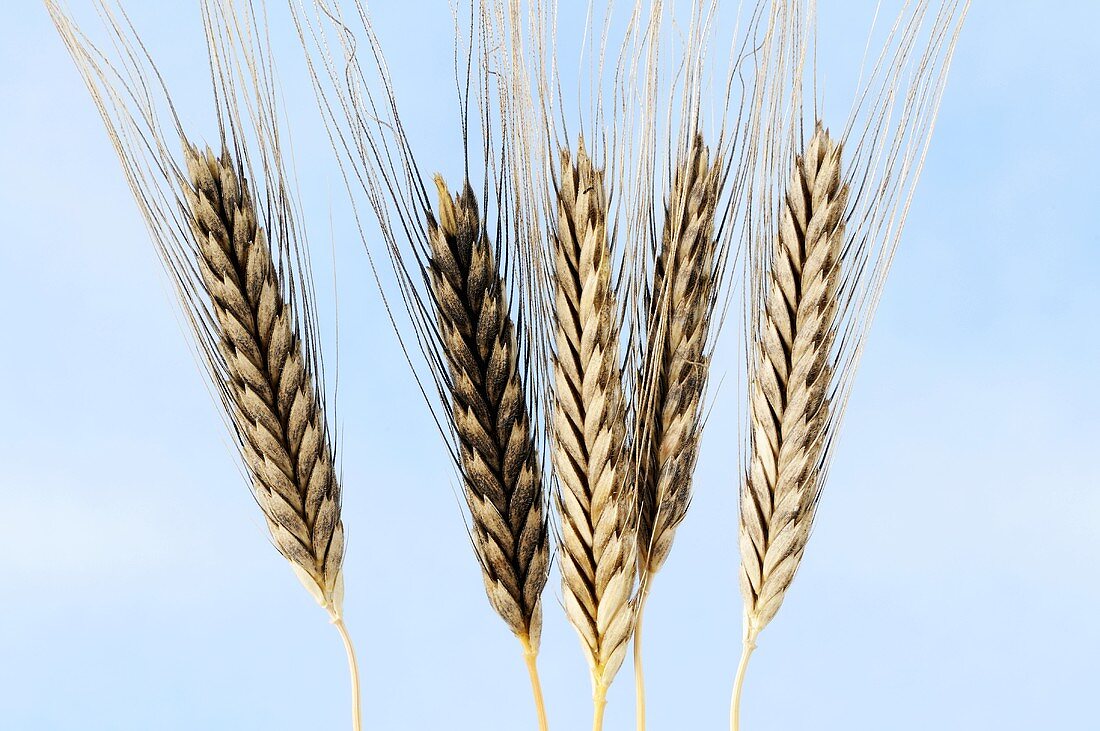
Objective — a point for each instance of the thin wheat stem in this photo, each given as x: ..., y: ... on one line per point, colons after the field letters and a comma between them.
x: 530, y: 657
x: 639, y: 673
x: 599, y: 703
x: 353, y: 669
x: 738, y: 682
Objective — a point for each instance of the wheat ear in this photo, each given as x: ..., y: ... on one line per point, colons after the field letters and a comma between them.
x: 594, y: 499
x: 674, y: 375
x: 276, y: 409
x: 789, y: 394
x: 676, y: 357
x: 497, y: 453
x: 266, y: 384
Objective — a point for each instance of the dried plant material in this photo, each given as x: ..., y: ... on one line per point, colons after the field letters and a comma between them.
x: 591, y: 459
x: 673, y: 377
x: 677, y: 361
x: 789, y: 399
x: 229, y: 240
x: 498, y: 457
x: 469, y: 282
x: 276, y: 409
x: 828, y: 219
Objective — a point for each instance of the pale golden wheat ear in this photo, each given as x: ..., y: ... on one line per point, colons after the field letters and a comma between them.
x: 590, y: 453
x: 829, y: 211
x: 231, y: 245
x: 498, y: 456
x: 789, y: 399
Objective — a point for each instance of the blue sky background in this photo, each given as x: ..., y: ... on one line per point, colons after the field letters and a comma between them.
x: 952, y: 579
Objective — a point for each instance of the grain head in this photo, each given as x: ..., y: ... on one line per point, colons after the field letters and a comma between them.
x: 789, y: 395
x: 595, y: 497
x: 273, y: 401
x: 497, y: 454
x: 674, y: 377
x: 225, y: 227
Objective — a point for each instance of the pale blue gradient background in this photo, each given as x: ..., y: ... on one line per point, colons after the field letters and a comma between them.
x: 952, y: 581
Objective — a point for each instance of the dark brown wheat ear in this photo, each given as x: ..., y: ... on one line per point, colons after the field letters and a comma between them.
x: 595, y: 496
x: 674, y: 377
x: 475, y: 301
x: 497, y: 453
